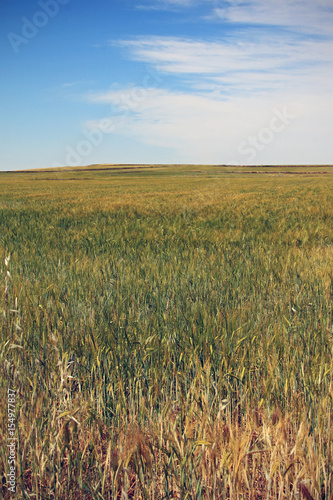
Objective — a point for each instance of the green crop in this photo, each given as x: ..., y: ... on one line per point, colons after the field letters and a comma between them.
x: 168, y: 332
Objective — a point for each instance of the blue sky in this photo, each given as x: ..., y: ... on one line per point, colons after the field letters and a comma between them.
x: 166, y: 81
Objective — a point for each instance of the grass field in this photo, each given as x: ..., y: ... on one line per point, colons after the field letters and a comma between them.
x: 168, y: 332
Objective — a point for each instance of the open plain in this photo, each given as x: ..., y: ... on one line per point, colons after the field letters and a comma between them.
x: 168, y: 331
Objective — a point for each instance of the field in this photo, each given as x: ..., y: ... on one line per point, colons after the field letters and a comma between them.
x: 168, y: 332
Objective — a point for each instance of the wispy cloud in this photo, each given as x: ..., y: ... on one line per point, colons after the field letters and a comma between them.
x: 269, y: 44
x: 207, y: 128
x: 311, y: 16
x: 254, y: 63
x: 221, y: 92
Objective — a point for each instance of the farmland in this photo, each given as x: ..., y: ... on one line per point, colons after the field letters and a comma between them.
x: 168, y: 332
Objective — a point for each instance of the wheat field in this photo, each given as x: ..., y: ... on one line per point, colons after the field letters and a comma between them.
x: 168, y: 332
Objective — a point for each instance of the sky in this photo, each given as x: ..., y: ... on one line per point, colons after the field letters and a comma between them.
x: 166, y: 81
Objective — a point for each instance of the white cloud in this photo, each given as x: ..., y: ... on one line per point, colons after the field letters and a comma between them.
x: 232, y: 90
x: 312, y: 16
x: 239, y: 63
x: 204, y: 128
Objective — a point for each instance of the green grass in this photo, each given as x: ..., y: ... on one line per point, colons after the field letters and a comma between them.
x: 168, y: 333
